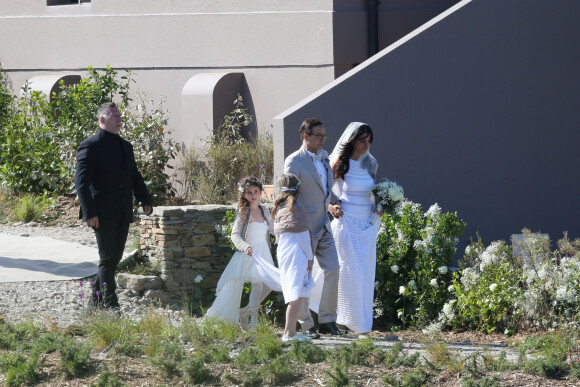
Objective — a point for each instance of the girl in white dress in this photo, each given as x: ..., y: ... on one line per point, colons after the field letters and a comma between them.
x: 294, y: 251
x: 355, y: 233
x: 251, y: 263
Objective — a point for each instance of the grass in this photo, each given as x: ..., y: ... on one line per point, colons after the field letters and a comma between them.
x: 210, y: 352
x: 27, y: 209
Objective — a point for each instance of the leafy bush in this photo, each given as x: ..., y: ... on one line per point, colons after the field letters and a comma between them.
x: 208, y: 173
x: 414, y: 251
x: 498, y: 290
x: 39, y: 139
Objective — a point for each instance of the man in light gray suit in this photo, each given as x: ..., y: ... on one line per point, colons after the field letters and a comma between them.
x: 310, y: 165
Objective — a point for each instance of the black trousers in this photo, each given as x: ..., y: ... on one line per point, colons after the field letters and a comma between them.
x: 111, y: 237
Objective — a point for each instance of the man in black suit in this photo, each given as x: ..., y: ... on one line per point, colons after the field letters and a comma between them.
x: 106, y: 178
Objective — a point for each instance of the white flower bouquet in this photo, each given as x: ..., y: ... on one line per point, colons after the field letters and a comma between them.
x: 387, y: 195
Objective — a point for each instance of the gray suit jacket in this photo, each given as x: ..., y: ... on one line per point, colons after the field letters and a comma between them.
x: 311, y: 194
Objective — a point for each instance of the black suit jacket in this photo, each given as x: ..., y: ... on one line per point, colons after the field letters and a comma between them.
x: 105, y: 188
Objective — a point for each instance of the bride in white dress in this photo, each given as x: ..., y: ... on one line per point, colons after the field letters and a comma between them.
x: 251, y: 263
x: 355, y: 233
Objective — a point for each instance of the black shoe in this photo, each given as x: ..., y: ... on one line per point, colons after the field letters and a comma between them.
x: 329, y: 327
x: 311, y: 333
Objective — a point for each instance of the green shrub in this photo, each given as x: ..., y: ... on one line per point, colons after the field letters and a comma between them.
x: 394, y: 357
x: 168, y: 358
x: 361, y: 352
x: 307, y: 352
x: 108, y: 379
x: 39, y: 139
x: 415, y: 377
x: 279, y: 371
x: 74, y: 357
x: 500, y: 289
x: 248, y: 356
x: 195, y: 372
x: 19, y: 369
x: 337, y: 375
x: 414, y: 252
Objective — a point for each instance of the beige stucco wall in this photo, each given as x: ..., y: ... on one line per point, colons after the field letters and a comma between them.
x: 283, y: 48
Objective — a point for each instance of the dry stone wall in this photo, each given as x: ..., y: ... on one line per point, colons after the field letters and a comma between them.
x: 185, y: 244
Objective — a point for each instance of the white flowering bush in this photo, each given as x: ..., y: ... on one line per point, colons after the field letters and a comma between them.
x: 504, y: 288
x: 414, y: 251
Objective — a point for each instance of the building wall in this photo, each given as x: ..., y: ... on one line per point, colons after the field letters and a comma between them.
x: 283, y: 48
x: 286, y: 49
x: 476, y: 110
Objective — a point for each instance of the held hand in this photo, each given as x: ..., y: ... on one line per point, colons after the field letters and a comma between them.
x: 249, y: 251
x: 380, y: 213
x: 335, y: 210
x: 147, y: 210
x: 93, y: 222
x: 310, y: 263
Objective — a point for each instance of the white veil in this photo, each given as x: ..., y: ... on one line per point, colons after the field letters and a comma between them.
x: 346, y: 137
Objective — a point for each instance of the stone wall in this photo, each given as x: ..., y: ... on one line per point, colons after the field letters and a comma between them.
x: 186, y: 245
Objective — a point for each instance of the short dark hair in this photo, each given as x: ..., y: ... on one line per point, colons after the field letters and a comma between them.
x: 104, y: 109
x: 307, y: 126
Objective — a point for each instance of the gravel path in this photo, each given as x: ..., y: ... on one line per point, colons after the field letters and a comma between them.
x: 57, y: 302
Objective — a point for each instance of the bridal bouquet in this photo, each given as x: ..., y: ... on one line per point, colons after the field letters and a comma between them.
x: 387, y: 194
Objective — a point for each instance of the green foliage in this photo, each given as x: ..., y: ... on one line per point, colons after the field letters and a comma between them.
x: 415, y: 377
x: 209, y: 173
x: 550, y: 353
x: 248, y: 356
x: 19, y: 369
x: 486, y: 298
x: 307, y: 352
x: 108, y: 379
x: 337, y: 375
x: 39, y: 139
x: 394, y: 357
x: 74, y: 357
x: 208, y: 330
x: 195, y: 371
x: 153, y: 331
x: 486, y: 381
x: 279, y: 371
x: 359, y: 352
x: 168, y: 358
x: 503, y: 289
x: 104, y: 330
x: 414, y: 251
x: 28, y: 209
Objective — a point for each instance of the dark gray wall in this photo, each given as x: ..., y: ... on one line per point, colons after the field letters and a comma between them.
x: 480, y: 113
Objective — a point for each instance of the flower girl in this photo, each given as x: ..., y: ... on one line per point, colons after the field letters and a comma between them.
x: 251, y: 263
x: 295, y: 257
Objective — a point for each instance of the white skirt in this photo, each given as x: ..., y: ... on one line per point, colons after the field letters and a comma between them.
x: 294, y: 251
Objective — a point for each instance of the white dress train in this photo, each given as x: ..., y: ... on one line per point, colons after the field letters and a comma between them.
x: 243, y: 268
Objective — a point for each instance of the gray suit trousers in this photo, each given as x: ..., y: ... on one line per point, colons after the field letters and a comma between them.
x: 327, y: 258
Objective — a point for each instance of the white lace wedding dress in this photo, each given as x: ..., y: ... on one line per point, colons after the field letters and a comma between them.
x: 243, y: 268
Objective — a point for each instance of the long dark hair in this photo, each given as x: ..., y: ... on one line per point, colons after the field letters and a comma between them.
x: 342, y: 164
x: 243, y: 203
